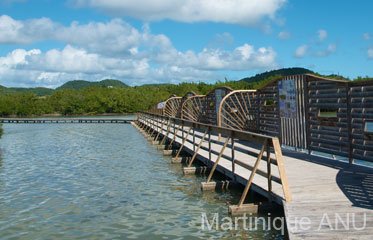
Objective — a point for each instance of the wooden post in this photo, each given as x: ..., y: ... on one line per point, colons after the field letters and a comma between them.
x: 182, y: 127
x: 160, y: 129
x: 198, y: 147
x: 281, y: 169
x: 232, y: 154
x: 182, y: 144
x: 209, y: 145
x: 248, y: 184
x: 194, y: 139
x: 174, y: 138
x: 278, y: 111
x: 269, y: 172
x: 168, y: 130
x: 217, y: 160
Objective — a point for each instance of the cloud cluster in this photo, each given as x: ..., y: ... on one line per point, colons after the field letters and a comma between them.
x: 370, y: 53
x: 114, y: 49
x: 301, y: 51
x: 318, y: 48
x: 284, y: 35
x: 23, y: 32
x: 322, y: 34
x: 367, y: 36
x: 223, y: 11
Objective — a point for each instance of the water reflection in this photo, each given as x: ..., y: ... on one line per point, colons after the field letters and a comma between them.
x: 100, y: 181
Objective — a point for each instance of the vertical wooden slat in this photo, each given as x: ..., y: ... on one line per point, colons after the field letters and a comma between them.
x: 349, y: 122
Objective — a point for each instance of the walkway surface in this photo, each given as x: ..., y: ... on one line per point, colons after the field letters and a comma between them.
x: 330, y: 199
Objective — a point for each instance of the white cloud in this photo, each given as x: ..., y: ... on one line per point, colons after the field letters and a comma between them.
x: 115, y: 49
x: 112, y: 37
x: 283, y: 35
x: 319, y: 48
x: 367, y: 36
x: 53, y: 67
x: 115, y: 36
x: 331, y: 48
x: 221, y: 40
x: 370, y: 53
x: 322, y: 34
x: 301, y: 51
x: 226, y: 11
x: 241, y: 58
x: 14, y: 31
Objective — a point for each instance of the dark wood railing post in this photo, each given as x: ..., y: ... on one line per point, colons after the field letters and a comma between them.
x: 232, y: 154
x: 194, y: 139
x: 269, y: 172
x: 209, y: 131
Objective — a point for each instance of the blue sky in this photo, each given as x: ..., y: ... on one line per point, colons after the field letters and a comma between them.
x: 49, y: 42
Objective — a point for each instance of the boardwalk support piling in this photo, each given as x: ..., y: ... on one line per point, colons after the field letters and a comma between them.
x: 209, y: 185
x: 195, y: 170
x: 196, y: 152
x: 240, y: 208
x: 176, y: 158
x: 161, y: 146
x: 167, y: 152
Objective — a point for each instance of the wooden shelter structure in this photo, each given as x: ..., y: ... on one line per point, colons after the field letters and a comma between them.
x: 306, y: 112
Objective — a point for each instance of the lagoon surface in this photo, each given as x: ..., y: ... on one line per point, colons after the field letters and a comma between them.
x: 101, y: 181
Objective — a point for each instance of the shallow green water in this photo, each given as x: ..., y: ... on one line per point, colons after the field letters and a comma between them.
x: 100, y: 181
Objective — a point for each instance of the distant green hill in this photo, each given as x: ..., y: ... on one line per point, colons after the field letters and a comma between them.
x: 79, y: 84
x: 40, y: 91
x: 280, y: 72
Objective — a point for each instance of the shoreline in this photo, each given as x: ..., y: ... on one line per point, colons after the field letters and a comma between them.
x: 68, y: 116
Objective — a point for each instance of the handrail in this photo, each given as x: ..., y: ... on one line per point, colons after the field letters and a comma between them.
x: 266, y: 143
x: 242, y: 135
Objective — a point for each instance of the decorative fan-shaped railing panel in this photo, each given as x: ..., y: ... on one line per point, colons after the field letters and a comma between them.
x: 192, y: 108
x: 239, y: 110
x: 172, y: 106
x: 183, y: 99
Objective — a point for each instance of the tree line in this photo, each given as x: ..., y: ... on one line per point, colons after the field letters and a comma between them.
x: 102, y: 100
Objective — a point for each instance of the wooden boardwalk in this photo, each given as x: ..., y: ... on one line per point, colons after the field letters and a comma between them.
x: 62, y: 120
x: 330, y: 199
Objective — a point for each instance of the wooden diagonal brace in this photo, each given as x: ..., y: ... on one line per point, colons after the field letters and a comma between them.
x: 168, y: 130
x: 217, y: 160
x: 182, y: 144
x: 248, y: 184
x: 198, y: 147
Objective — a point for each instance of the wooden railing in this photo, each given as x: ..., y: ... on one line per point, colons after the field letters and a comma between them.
x: 203, y: 139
